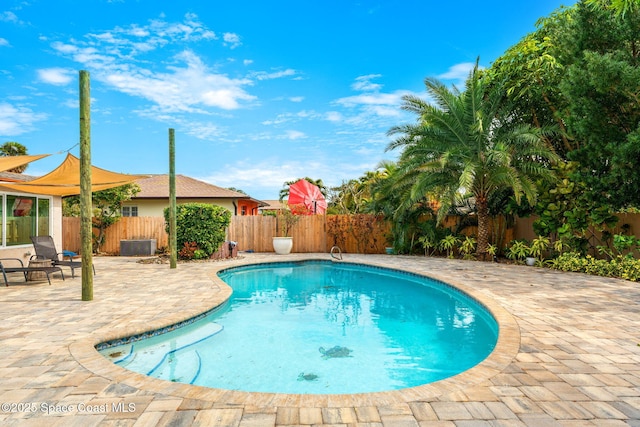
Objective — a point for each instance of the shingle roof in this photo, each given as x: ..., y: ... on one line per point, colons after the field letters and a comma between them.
x: 15, y: 177
x: 273, y: 205
x: 157, y: 187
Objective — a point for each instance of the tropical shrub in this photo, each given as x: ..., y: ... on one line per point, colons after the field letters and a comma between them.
x: 201, y: 224
x: 624, y: 267
x: 492, y: 250
x: 188, y: 250
x: 621, y: 243
x: 431, y: 234
x: 538, y: 247
x: 449, y: 244
x: 518, y: 250
x: 468, y: 247
x: 427, y: 243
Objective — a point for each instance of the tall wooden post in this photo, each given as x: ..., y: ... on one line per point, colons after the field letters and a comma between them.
x: 85, y: 187
x: 173, y: 244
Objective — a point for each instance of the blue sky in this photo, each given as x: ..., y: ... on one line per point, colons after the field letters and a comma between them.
x: 258, y: 92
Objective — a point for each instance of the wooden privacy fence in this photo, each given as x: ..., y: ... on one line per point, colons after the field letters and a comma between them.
x: 313, y: 233
x: 127, y: 228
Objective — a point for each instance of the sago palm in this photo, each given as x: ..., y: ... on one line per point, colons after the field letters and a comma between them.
x: 463, y: 143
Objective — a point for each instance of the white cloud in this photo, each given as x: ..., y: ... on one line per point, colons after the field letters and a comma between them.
x: 4, y: 42
x: 16, y: 120
x: 458, y: 72
x: 363, y: 83
x: 205, y: 131
x: 334, y: 116
x: 262, y: 75
x: 9, y: 17
x: 56, y: 76
x: 372, y: 97
x: 247, y: 61
x: 296, y: 98
x: 293, y: 117
x: 256, y: 177
x: 371, y: 107
x: 187, y: 84
x: 387, y: 99
x: 263, y: 181
x: 294, y: 134
x: 232, y: 39
x: 184, y: 87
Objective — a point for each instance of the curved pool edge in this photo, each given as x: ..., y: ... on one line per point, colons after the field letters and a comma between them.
x: 504, y: 353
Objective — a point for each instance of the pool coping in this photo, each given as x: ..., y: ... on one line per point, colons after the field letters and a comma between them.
x: 505, y: 351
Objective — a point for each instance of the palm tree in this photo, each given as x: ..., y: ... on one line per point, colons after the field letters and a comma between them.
x: 356, y: 195
x: 12, y: 148
x: 391, y: 190
x: 463, y: 144
x: 619, y: 7
x: 284, y: 192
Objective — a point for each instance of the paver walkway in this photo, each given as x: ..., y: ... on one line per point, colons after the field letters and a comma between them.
x: 568, y: 356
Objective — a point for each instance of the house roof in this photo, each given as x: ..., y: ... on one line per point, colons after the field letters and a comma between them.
x: 157, y: 187
x: 15, y: 177
x: 273, y: 205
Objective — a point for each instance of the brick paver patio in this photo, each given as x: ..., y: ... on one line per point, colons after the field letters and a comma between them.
x: 568, y: 353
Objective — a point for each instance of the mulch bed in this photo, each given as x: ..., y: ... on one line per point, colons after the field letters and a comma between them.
x: 164, y: 259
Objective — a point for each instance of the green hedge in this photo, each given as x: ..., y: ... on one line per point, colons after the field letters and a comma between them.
x: 200, y: 229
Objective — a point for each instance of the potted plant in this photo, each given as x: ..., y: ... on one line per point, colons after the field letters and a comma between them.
x: 285, y: 220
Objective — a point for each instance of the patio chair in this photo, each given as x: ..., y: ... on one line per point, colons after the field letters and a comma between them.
x: 46, y: 249
x: 25, y: 270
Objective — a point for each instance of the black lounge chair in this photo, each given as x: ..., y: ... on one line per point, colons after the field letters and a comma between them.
x: 25, y: 270
x: 46, y: 249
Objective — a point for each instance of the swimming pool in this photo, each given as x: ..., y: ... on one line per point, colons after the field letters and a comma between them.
x: 321, y: 327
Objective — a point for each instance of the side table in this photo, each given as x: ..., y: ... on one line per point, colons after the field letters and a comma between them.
x: 38, y: 275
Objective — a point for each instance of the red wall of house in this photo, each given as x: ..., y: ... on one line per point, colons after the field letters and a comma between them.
x: 247, y: 207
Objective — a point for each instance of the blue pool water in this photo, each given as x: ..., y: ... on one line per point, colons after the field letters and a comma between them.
x: 321, y: 327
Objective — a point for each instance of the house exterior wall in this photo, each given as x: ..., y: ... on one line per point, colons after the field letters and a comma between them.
x: 24, y: 252
x: 155, y: 207
x: 247, y: 207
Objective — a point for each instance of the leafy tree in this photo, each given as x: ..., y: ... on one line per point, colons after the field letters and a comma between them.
x: 531, y: 71
x: 237, y: 190
x: 463, y: 143
x: 602, y: 87
x: 107, y: 207
x: 12, y: 148
x: 580, y: 71
x: 201, y: 228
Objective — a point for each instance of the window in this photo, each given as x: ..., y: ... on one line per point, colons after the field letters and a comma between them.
x: 244, y: 210
x: 129, y: 211
x: 23, y: 217
x: 43, y: 217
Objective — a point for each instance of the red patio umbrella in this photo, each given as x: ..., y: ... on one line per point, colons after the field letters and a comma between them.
x: 303, y: 193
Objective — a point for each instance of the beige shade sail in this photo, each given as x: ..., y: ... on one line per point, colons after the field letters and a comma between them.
x: 12, y: 162
x: 65, y: 180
